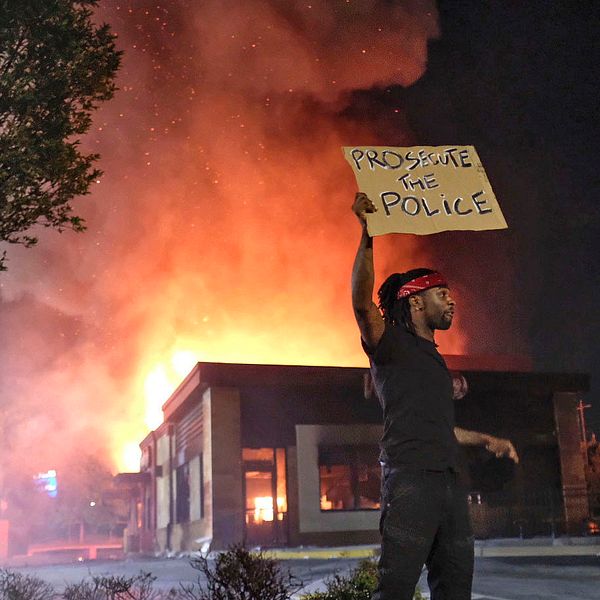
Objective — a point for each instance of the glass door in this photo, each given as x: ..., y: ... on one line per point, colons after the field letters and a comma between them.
x: 265, y: 496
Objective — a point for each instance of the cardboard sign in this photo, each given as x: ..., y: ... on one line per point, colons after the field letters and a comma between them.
x: 425, y: 189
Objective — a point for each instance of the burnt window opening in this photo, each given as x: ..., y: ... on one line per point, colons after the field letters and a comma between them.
x: 201, y: 480
x: 182, y: 503
x: 265, y: 485
x: 349, y: 478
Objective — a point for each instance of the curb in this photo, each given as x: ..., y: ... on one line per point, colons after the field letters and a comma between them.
x: 483, y: 549
x: 517, y: 551
x: 323, y: 553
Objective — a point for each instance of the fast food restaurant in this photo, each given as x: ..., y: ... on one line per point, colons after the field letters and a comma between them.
x: 273, y: 455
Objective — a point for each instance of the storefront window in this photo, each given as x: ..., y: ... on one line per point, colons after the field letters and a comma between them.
x: 182, y: 499
x: 349, y: 477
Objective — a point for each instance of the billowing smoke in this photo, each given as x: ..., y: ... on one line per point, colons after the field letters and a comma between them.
x: 221, y: 229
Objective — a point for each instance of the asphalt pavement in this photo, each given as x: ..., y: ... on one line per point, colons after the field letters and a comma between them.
x: 538, y: 569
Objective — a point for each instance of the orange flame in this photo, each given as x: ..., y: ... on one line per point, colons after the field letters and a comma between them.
x: 161, y: 377
x: 235, y: 180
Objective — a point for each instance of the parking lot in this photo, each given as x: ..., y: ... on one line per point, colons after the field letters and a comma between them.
x: 499, y: 578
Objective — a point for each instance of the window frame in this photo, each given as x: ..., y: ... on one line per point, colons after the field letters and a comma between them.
x: 358, y: 457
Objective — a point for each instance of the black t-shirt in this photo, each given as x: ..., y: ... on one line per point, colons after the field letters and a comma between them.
x: 415, y: 390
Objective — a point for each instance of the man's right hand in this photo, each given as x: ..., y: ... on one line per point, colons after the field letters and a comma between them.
x: 362, y: 206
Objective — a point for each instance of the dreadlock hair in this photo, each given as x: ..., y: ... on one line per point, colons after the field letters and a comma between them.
x: 394, y: 311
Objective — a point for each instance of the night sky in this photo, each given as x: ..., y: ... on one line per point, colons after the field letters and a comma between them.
x: 519, y: 81
x: 221, y: 228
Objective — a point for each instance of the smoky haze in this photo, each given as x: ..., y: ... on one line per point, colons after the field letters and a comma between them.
x: 222, y: 226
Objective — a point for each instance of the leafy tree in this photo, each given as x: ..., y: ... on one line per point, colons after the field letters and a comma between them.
x: 56, y: 66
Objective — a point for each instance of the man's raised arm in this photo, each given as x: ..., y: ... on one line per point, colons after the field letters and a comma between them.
x: 366, y: 313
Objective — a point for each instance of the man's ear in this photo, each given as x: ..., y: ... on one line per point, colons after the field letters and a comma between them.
x: 416, y: 302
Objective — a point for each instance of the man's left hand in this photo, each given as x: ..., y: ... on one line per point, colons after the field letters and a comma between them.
x: 501, y: 447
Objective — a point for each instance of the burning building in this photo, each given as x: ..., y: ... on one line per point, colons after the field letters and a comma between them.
x: 287, y: 455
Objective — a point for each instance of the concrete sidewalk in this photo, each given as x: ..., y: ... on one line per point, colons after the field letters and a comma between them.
x: 560, y: 546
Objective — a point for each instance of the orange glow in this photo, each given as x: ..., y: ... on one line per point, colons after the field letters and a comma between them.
x: 130, y: 458
x: 183, y: 362
x: 222, y: 230
x: 263, y: 509
x: 161, y: 382
x: 326, y: 504
x: 319, y: 340
x: 157, y: 388
x: 238, y: 188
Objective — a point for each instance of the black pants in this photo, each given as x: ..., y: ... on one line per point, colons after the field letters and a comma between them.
x: 424, y: 520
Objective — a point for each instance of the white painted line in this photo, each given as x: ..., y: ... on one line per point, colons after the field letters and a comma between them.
x: 319, y: 585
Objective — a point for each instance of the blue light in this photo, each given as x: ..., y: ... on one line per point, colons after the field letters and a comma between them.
x: 47, y: 482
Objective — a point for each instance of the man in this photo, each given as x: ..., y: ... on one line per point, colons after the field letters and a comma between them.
x: 424, y: 516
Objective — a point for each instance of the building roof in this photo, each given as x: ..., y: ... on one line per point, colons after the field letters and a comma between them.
x: 498, y: 370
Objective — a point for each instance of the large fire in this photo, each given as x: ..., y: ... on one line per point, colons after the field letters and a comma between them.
x: 221, y: 230
x: 266, y: 347
x: 161, y: 381
x: 238, y: 179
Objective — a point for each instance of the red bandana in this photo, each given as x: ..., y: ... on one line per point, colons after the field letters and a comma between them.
x: 419, y: 284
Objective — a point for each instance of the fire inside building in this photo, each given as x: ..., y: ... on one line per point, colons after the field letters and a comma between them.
x: 288, y: 455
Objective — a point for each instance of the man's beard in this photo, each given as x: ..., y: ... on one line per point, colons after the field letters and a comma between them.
x: 442, y: 322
